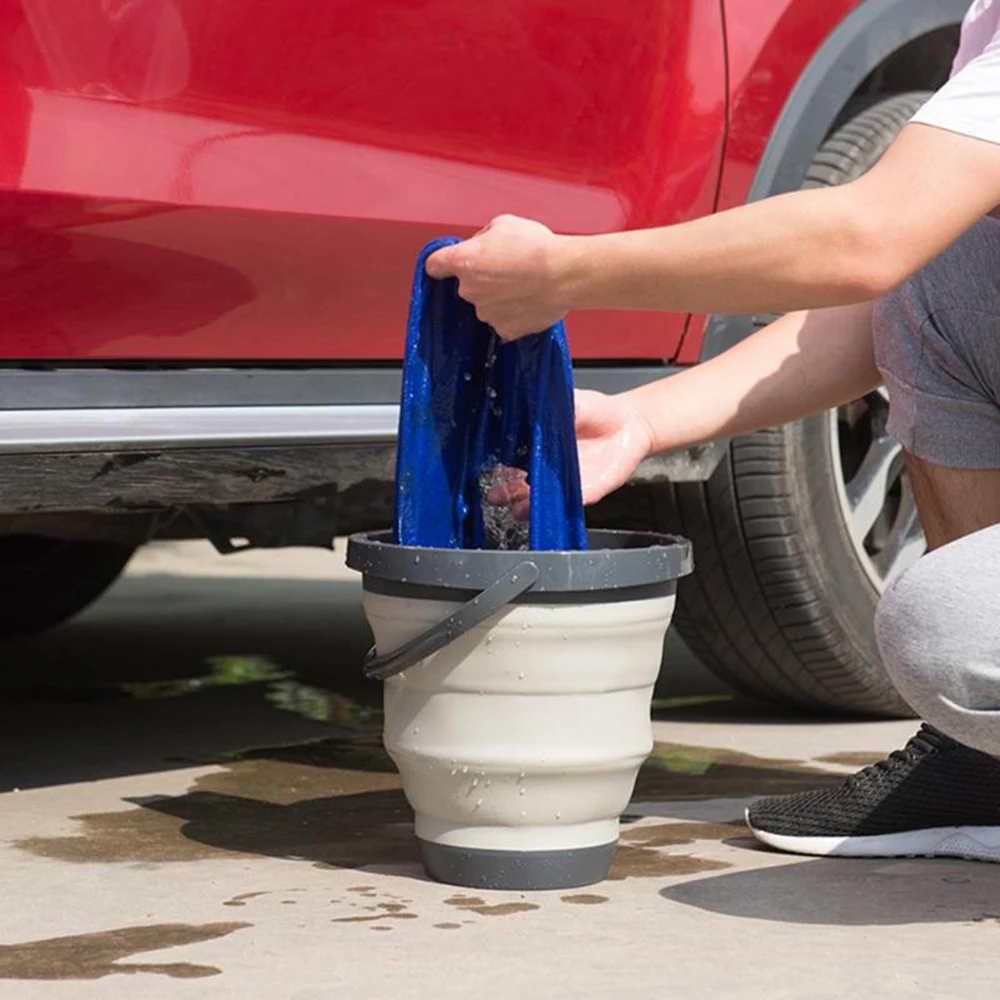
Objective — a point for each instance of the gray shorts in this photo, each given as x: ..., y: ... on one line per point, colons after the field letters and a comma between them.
x: 937, y: 345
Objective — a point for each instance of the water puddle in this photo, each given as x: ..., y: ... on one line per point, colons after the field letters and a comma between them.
x: 474, y: 904
x: 280, y: 688
x: 338, y: 803
x: 100, y: 954
x: 852, y: 758
x: 674, y: 771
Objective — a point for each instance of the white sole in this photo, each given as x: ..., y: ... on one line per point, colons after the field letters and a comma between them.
x: 975, y: 843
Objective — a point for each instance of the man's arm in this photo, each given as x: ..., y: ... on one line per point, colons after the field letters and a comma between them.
x: 802, y: 363
x: 799, y: 364
x: 808, y: 249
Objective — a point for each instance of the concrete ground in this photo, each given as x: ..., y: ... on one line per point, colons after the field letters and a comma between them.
x: 195, y: 804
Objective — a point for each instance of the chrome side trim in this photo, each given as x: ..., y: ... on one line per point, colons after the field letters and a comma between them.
x: 146, y: 428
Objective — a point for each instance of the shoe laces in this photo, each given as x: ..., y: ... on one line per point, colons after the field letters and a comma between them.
x: 923, y: 743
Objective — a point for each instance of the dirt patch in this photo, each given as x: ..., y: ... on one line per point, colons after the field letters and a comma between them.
x: 584, y: 899
x: 100, y: 954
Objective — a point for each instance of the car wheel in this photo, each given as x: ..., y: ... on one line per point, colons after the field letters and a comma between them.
x: 45, y: 581
x: 803, y: 526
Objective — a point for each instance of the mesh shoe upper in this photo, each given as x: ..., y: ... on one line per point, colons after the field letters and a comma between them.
x: 932, y: 782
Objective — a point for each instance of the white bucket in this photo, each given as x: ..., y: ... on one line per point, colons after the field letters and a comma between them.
x: 519, y: 739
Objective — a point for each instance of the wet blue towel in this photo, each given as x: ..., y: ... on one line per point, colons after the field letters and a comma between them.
x: 471, y: 402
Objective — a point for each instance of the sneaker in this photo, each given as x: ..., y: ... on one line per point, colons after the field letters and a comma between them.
x: 933, y: 798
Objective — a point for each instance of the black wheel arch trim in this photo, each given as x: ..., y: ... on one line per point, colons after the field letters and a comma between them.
x: 860, y: 43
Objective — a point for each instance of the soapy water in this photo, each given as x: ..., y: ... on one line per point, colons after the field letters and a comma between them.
x: 503, y: 530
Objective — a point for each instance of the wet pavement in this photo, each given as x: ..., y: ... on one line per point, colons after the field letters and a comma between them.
x: 194, y: 802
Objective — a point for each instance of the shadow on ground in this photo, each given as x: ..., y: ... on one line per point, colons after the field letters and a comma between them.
x: 851, y: 892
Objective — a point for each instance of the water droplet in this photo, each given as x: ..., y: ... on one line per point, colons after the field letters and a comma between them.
x: 467, y: 376
x: 416, y: 729
x: 479, y: 802
x: 491, y: 392
x: 517, y: 642
x: 489, y: 638
x: 520, y: 676
x: 565, y: 636
x: 465, y: 770
x: 454, y: 771
x: 416, y: 559
x: 475, y: 781
x: 523, y: 813
x: 558, y: 815
x: 524, y: 791
x: 520, y: 777
x: 402, y: 579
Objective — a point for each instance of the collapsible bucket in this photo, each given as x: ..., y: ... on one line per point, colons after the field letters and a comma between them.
x: 517, y: 696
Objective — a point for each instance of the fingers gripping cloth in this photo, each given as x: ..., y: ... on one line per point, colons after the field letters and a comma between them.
x: 475, y: 411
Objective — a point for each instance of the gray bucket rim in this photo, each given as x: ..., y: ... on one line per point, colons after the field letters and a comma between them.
x: 615, y: 560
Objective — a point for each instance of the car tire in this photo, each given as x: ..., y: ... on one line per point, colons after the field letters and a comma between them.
x: 45, y: 581
x: 802, y: 526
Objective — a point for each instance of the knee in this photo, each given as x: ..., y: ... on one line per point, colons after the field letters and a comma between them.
x: 934, y: 628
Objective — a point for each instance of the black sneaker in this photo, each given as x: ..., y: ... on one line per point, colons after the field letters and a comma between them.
x: 935, y: 798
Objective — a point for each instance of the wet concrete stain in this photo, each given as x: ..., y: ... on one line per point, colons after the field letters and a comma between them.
x: 674, y: 772
x: 380, y: 928
x: 473, y: 904
x: 584, y: 899
x: 337, y: 803
x: 378, y: 916
x: 852, y: 758
x: 448, y: 927
x: 330, y: 816
x: 100, y: 954
x: 639, y: 853
x: 241, y: 899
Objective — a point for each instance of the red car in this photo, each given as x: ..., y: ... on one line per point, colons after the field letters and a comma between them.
x: 210, y: 211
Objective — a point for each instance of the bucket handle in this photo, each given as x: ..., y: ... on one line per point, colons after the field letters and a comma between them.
x: 486, y: 603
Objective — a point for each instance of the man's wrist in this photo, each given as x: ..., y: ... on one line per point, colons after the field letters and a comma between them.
x: 572, y: 272
x: 640, y: 403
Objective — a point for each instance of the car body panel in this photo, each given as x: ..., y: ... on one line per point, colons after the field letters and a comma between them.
x: 246, y: 180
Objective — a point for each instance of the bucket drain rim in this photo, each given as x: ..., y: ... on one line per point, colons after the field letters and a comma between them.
x: 616, y: 560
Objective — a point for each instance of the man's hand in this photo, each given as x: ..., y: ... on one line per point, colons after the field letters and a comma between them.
x: 613, y: 437
x: 508, y: 272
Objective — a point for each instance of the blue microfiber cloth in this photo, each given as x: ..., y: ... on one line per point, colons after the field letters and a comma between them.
x: 471, y: 403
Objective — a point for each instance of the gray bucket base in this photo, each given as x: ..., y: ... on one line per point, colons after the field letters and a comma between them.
x: 476, y: 868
